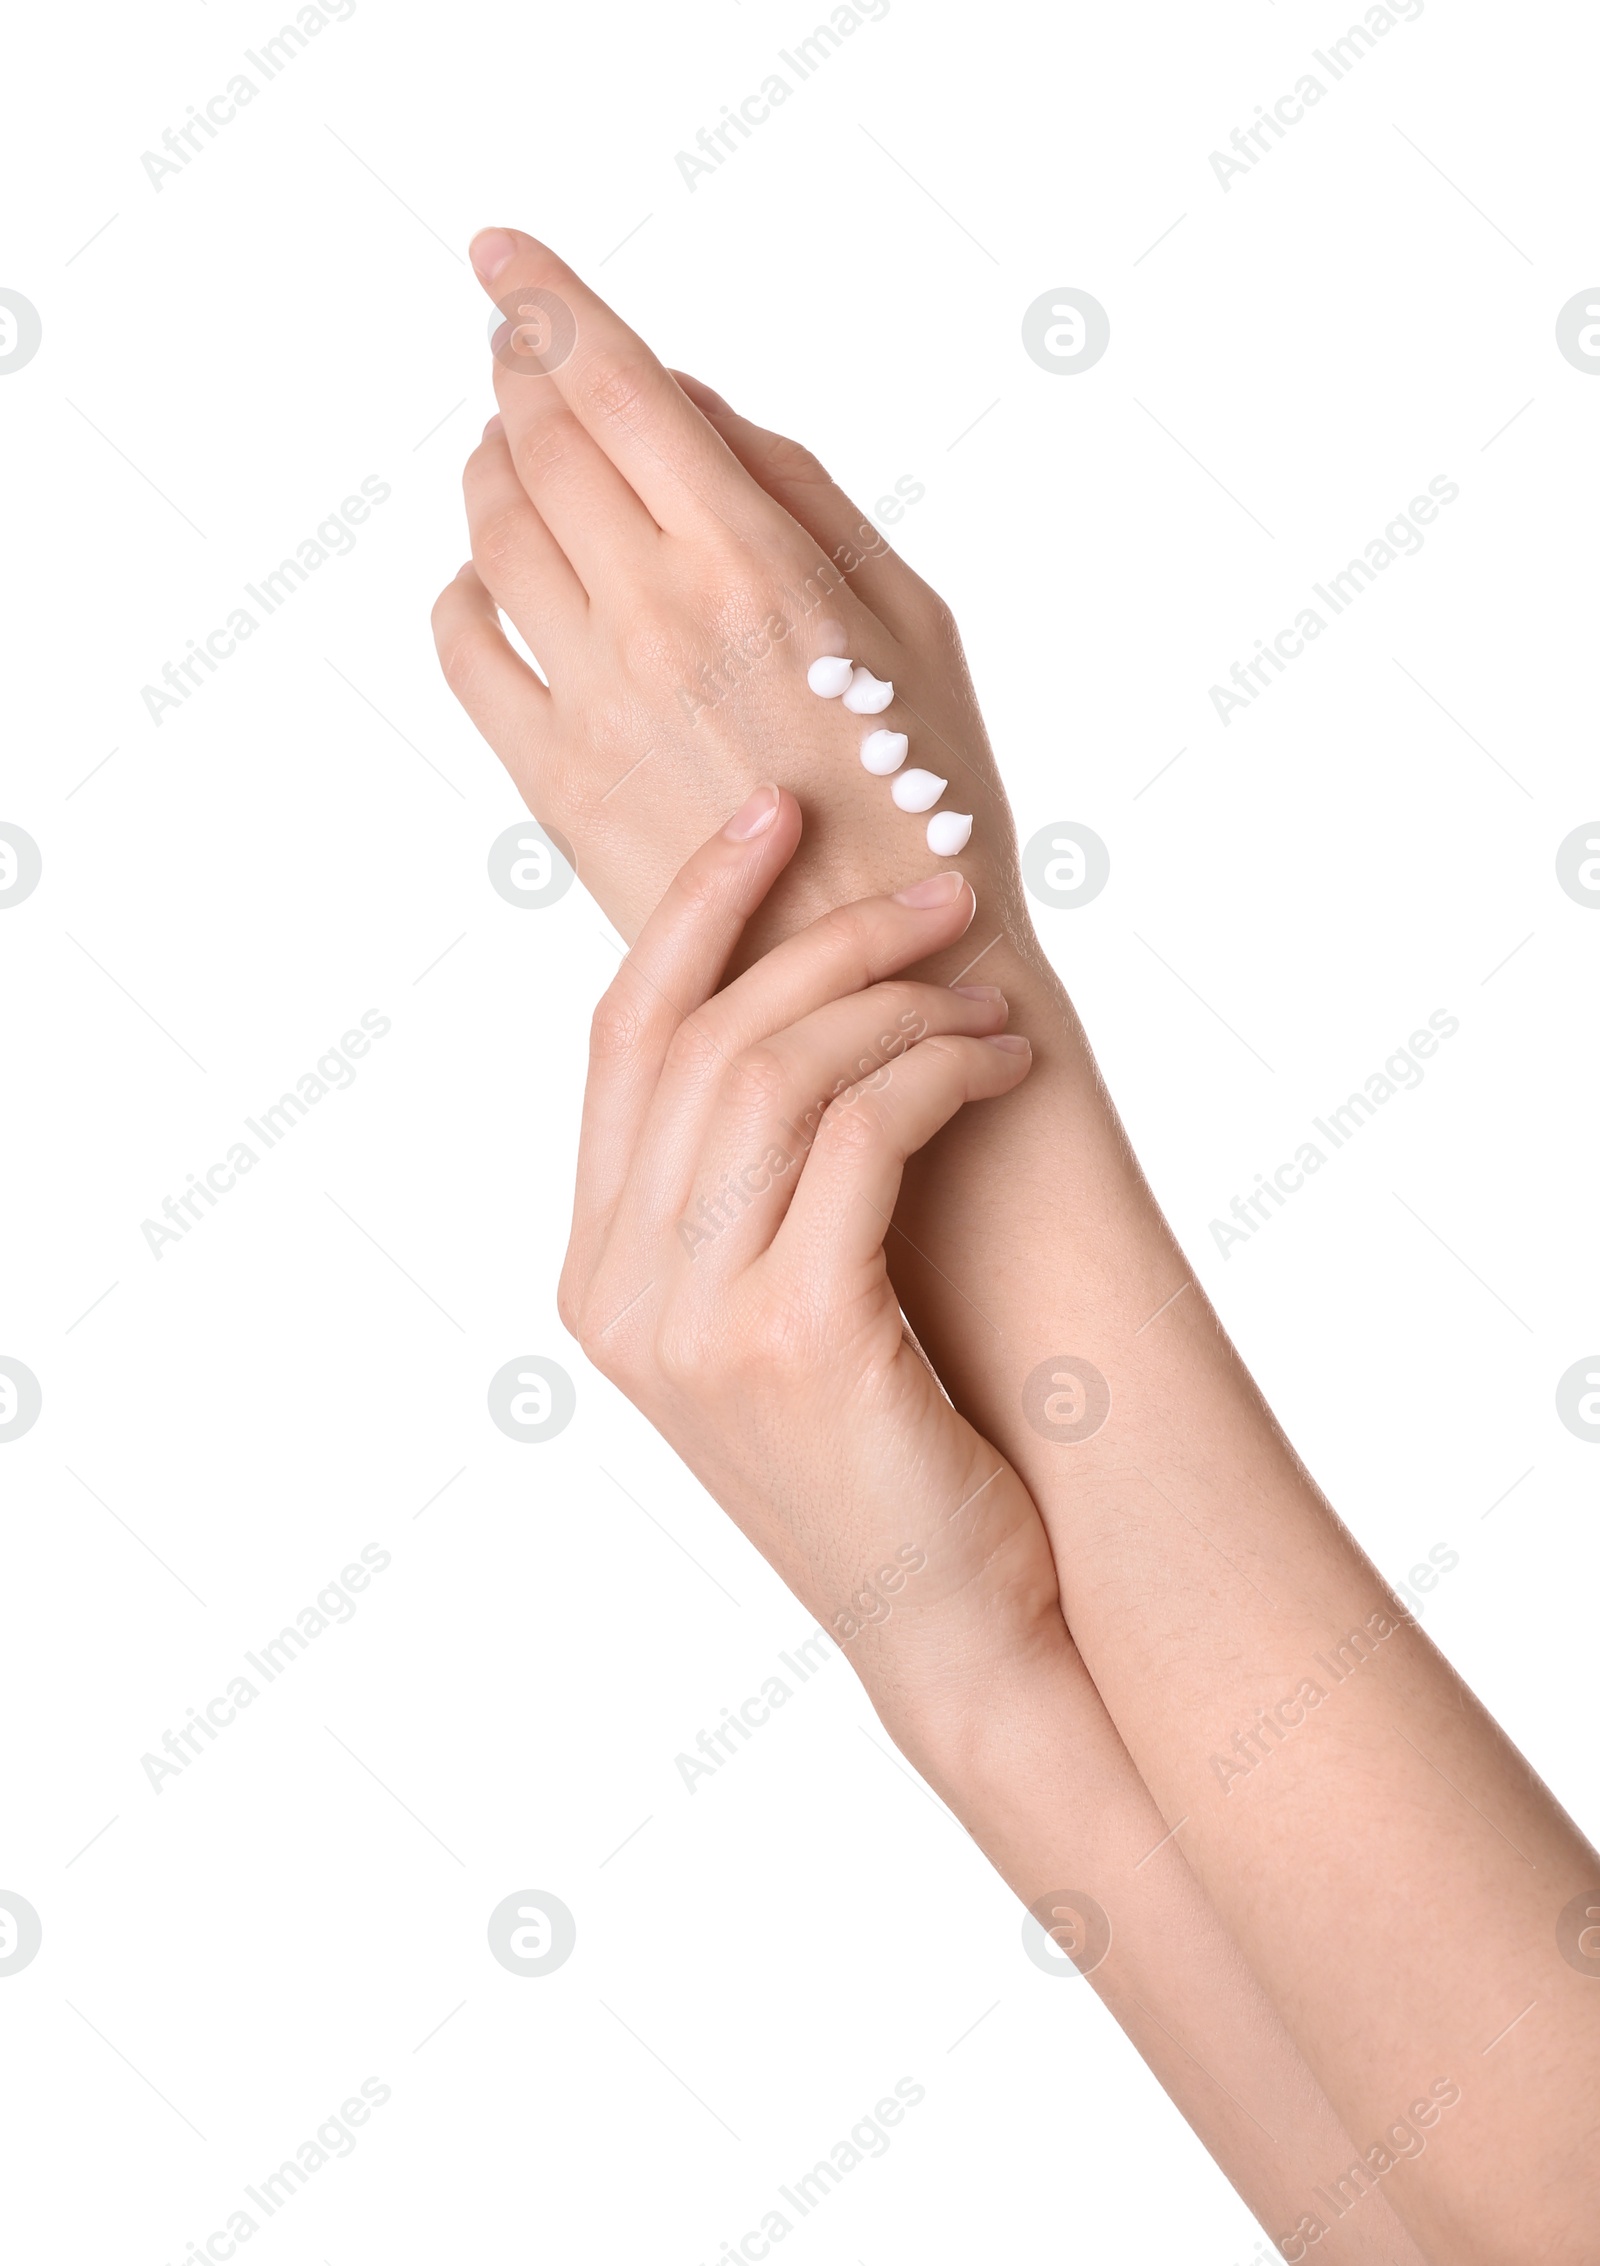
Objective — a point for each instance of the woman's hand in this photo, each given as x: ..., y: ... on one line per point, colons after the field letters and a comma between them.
x: 675, y: 570
x: 740, y: 1159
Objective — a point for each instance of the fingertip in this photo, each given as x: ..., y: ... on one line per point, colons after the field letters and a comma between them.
x: 755, y: 815
x: 1015, y: 1059
x: 491, y: 251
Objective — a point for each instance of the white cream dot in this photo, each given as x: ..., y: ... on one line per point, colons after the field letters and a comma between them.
x: 883, y: 752
x: 868, y: 695
x: 830, y: 676
x: 917, y: 790
x: 949, y: 832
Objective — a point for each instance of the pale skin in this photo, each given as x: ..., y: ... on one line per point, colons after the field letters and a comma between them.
x: 1325, y: 1913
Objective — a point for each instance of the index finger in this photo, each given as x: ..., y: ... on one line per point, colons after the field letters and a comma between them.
x: 625, y: 399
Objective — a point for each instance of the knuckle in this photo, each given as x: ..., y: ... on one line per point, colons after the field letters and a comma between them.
x: 617, y: 1025
x: 852, y: 1128
x: 570, y: 1301
x: 615, y: 385
x: 692, y: 1052
x: 781, y: 1344
x: 652, y: 642
x: 759, y: 1078
x: 497, y: 541
x: 683, y: 1352
x: 936, y: 619
x: 793, y: 463
x: 544, y: 452
x: 452, y: 641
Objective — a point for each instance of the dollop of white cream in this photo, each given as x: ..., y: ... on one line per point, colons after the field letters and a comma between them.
x: 883, y: 752
x: 917, y: 790
x: 830, y: 676
x: 868, y: 695
x: 949, y: 832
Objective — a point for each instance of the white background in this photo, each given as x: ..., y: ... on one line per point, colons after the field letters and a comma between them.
x: 224, y: 358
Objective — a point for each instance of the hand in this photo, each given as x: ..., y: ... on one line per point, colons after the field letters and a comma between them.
x: 674, y: 605
x: 740, y: 1157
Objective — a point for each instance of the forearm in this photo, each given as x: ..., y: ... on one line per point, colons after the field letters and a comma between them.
x: 1030, y: 1758
x: 1037, y: 1774
x: 1374, y: 1807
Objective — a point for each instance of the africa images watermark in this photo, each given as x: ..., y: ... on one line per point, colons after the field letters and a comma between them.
x: 183, y: 144
x: 740, y: 1190
x: 334, y: 538
x: 737, y: 1728
x: 335, y: 2136
x: 868, y: 2136
x: 1402, y: 538
x: 1399, y: 2143
x: 718, y: 143
x: 1258, y: 1742
x: 1401, y: 1073
x: 1338, y: 59
x: 334, y: 1602
x: 333, y: 1070
x: 738, y: 658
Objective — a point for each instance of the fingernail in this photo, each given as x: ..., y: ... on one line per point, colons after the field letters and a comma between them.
x: 496, y: 424
x: 491, y: 249
x: 938, y: 889
x: 753, y: 817
x: 1009, y: 1043
x: 990, y: 994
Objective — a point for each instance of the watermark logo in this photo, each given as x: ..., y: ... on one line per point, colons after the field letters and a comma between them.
x: 1066, y: 331
x: 532, y: 1932
x: 20, y: 332
x: 1066, y: 1399
x: 531, y: 1399
x: 1577, y: 864
x: 534, y: 331
x: 1578, y: 1932
x: 1066, y: 865
x: 1066, y: 1932
x: 1578, y: 1398
x: 20, y: 1398
x: 1578, y: 332
x: 20, y: 866
x: 21, y: 1932
x: 531, y: 865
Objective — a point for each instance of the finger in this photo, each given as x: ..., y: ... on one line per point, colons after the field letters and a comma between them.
x: 843, y: 952
x: 794, y: 478
x: 775, y: 1096
x: 610, y: 383
x: 495, y: 686
x: 589, y: 508
x: 850, y: 1181
x: 677, y: 961
x: 518, y: 559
